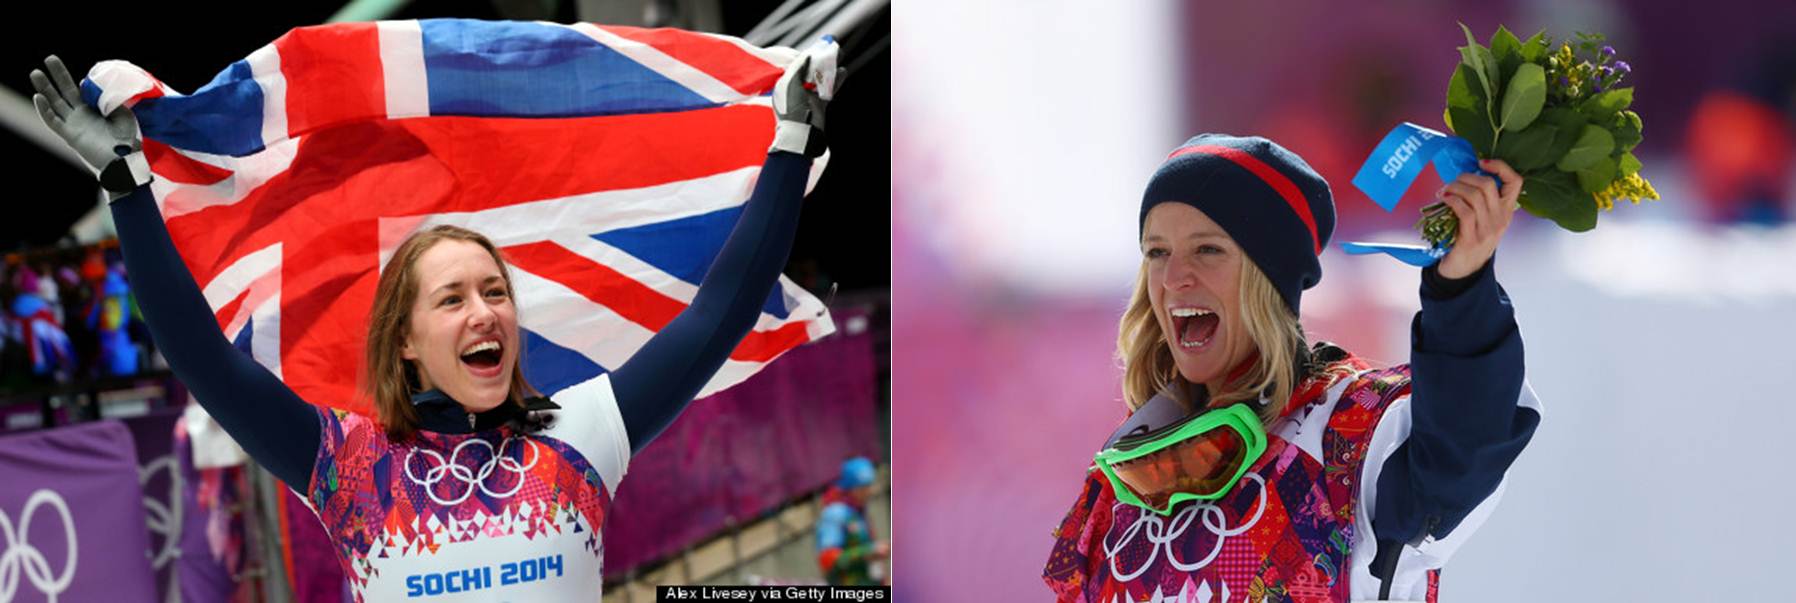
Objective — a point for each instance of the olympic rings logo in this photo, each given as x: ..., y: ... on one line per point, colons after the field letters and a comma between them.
x: 1162, y: 533
x: 475, y: 478
x: 164, y: 517
x: 21, y: 555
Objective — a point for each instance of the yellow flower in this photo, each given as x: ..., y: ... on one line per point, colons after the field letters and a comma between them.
x: 1632, y: 187
x: 1645, y: 187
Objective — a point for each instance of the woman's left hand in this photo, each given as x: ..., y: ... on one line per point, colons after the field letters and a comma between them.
x: 1484, y: 212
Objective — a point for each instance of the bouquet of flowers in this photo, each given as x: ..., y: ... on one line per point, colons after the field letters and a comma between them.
x: 1559, y: 116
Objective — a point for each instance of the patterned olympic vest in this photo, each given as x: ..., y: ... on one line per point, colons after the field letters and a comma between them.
x: 494, y: 515
x: 1284, y: 533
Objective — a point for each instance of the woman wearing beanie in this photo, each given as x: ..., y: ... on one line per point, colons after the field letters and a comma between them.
x: 1255, y: 465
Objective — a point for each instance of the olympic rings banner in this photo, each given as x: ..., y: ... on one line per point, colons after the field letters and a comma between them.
x: 159, y: 472
x: 72, y: 517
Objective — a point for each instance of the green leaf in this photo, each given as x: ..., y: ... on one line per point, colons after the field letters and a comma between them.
x: 1470, y: 57
x: 1628, y: 165
x: 1527, y: 93
x: 1470, y: 40
x: 1467, y: 110
x: 1627, y: 130
x: 1506, y: 67
x: 1447, y: 118
x: 1529, y: 149
x: 1555, y: 195
x: 1593, y: 145
x: 1508, y: 52
x: 1461, y: 91
x: 1535, y: 49
x: 1493, y: 78
x: 1504, y: 43
x: 1598, y: 176
x: 1567, y: 126
x: 1474, y: 126
x: 1478, y: 57
x: 1604, y: 106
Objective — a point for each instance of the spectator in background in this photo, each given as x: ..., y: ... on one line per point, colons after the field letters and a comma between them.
x: 93, y: 268
x: 77, y: 301
x: 846, y: 547
x: 135, y: 329
x: 38, y: 329
x: 109, y: 320
x: 47, y: 289
x: 72, y: 293
x: 15, y: 365
x: 1739, y: 142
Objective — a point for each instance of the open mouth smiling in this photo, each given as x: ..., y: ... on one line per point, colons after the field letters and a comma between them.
x: 1193, y: 327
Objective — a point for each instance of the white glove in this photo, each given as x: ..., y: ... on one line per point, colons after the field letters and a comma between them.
x: 799, y: 99
x: 111, y: 146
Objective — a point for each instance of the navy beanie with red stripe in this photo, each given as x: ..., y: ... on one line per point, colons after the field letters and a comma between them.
x: 1268, y: 199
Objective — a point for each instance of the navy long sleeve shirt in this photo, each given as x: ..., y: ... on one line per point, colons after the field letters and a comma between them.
x: 1466, y: 426
x: 280, y: 430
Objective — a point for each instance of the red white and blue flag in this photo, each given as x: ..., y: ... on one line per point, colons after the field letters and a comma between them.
x: 608, y: 163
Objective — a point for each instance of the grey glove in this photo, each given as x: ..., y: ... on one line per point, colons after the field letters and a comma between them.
x: 798, y: 101
x: 111, y: 145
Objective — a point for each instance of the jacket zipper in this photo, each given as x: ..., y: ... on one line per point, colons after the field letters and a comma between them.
x: 1428, y: 525
x: 1387, y: 571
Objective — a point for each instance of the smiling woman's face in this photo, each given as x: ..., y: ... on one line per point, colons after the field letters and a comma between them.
x: 463, y: 334
x: 1194, y: 284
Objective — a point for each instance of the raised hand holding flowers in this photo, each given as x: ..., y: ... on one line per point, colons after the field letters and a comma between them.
x: 1482, y: 212
x: 1558, y: 118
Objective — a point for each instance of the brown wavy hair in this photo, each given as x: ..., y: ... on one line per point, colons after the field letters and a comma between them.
x: 390, y: 379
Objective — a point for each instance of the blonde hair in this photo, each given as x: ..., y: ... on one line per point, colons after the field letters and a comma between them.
x: 1146, y: 355
x: 390, y: 379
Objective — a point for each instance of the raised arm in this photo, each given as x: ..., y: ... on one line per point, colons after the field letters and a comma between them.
x: 1467, y: 422
x: 273, y: 424
x: 657, y: 383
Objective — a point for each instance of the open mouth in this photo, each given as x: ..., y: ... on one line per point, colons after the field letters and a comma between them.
x: 1194, y: 327
x: 483, y: 356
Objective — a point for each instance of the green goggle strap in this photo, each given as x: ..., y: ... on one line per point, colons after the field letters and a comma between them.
x: 1239, y: 417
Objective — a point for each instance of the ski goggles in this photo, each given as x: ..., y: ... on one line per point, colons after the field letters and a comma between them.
x: 1196, y: 457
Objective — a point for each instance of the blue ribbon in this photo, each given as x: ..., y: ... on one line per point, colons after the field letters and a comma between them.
x: 1394, y: 166
x: 1420, y: 256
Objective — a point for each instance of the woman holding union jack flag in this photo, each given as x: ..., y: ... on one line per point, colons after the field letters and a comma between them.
x: 466, y: 484
x: 1256, y: 466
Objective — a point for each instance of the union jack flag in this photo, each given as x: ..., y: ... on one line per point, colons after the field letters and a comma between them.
x: 608, y: 163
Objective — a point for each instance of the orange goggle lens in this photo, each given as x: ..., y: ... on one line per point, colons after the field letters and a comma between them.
x: 1203, y: 465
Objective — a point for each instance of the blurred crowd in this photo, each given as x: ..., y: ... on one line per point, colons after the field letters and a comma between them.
x: 67, y: 315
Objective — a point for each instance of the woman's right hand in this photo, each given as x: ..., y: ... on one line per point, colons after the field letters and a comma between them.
x: 97, y: 139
